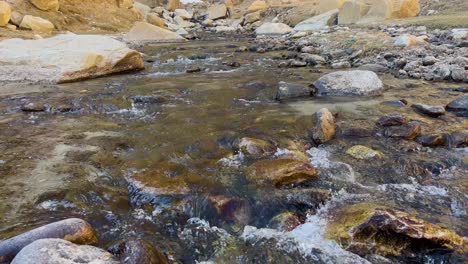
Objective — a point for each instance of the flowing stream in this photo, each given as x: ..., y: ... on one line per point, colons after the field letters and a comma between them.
x: 86, y: 154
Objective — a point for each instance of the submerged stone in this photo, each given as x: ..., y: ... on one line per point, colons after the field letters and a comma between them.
x: 363, y: 153
x: 406, y: 131
x: 291, y: 90
x: 256, y: 148
x: 137, y: 251
x: 324, y: 129
x: 281, y: 172
x: 286, y: 221
x: 233, y: 210
x: 393, y: 120
x: 389, y: 232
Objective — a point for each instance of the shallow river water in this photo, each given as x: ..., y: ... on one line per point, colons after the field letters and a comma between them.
x: 147, y: 154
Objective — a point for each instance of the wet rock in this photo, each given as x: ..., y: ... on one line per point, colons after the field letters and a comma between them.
x: 355, y: 132
x: 74, y: 230
x: 148, y: 99
x: 66, y: 58
x: 142, y: 33
x: 324, y: 129
x: 281, y: 172
x: 434, y: 111
x: 457, y: 140
x: 285, y: 221
x: 349, y: 83
x: 406, y: 131
x: 396, y: 103
x: 33, y: 107
x: 273, y: 29
x: 232, y: 210
x: 393, y: 120
x: 59, y: 251
x: 390, y: 232
x: 139, y: 252
x: 431, y: 141
x: 37, y: 24
x: 363, y: 153
x: 459, y: 105
x: 256, y: 148
x: 291, y: 90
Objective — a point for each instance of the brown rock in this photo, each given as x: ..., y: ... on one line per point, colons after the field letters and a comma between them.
x: 5, y: 13
x: 73, y: 229
x: 286, y: 221
x: 140, y: 252
x: 281, y: 172
x: 154, y: 19
x: 431, y: 141
x: 409, y: 8
x: 46, y: 5
x: 234, y: 210
x: 406, y: 131
x: 173, y: 5
x: 393, y: 120
x: 256, y: 148
x: 324, y: 129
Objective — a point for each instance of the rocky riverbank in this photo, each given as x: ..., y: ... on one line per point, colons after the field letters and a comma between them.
x: 235, y: 132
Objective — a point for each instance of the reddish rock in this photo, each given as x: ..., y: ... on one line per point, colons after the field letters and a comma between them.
x: 393, y: 120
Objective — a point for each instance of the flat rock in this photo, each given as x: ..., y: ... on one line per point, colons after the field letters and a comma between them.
x: 291, y: 90
x: 217, y: 11
x: 273, y: 29
x: 143, y: 33
x: 320, y: 22
x: 37, y: 24
x: 59, y: 251
x: 393, y: 120
x: 349, y: 83
x: 406, y: 131
x: 65, y: 58
x: 459, y: 105
x: 434, y: 111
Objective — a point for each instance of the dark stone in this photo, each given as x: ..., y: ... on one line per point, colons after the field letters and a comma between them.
x: 457, y: 140
x: 459, y: 105
x: 430, y: 110
x: 194, y: 69
x: 231, y: 210
x: 406, y: 131
x: 148, y: 99
x: 393, y: 120
x: 396, y: 103
x: 355, y: 132
x: 136, y: 251
x: 377, y: 68
x: 431, y: 141
x: 291, y: 90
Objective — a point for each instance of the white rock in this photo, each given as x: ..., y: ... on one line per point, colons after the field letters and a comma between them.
x: 322, y: 21
x: 349, y: 83
x: 65, y: 58
x: 183, y: 14
x: 273, y: 29
x: 220, y: 29
x: 37, y: 24
x: 217, y: 11
x: 460, y: 33
x: 143, y: 32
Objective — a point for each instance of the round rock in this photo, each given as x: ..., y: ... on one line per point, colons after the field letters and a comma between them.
x: 349, y: 83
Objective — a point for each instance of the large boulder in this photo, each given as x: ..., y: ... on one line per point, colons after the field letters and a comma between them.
x: 155, y: 20
x: 59, y: 251
x: 46, y: 5
x: 327, y: 5
x: 173, y: 5
x: 37, y: 24
x: 217, y: 11
x: 74, y: 230
x: 258, y: 5
x: 5, y: 13
x: 65, y: 58
x: 349, y: 83
x: 366, y: 228
x: 352, y: 11
x: 273, y: 29
x: 143, y: 32
x: 385, y: 9
x: 142, y: 8
x: 324, y: 129
x: 409, y: 8
x: 322, y: 21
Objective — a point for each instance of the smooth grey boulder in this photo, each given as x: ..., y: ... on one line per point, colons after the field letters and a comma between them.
x: 291, y: 90
x: 72, y: 229
x: 431, y: 110
x: 59, y: 251
x: 349, y: 83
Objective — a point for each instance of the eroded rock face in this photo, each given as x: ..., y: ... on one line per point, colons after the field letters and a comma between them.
x: 324, y: 129
x: 5, y: 13
x: 65, y: 58
x: 352, y: 11
x: 367, y: 228
x: 281, y: 172
x: 349, y: 83
x: 59, y: 251
x: 74, y: 230
x: 46, y: 5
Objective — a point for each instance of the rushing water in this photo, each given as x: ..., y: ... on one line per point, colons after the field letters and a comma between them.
x: 83, y: 156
